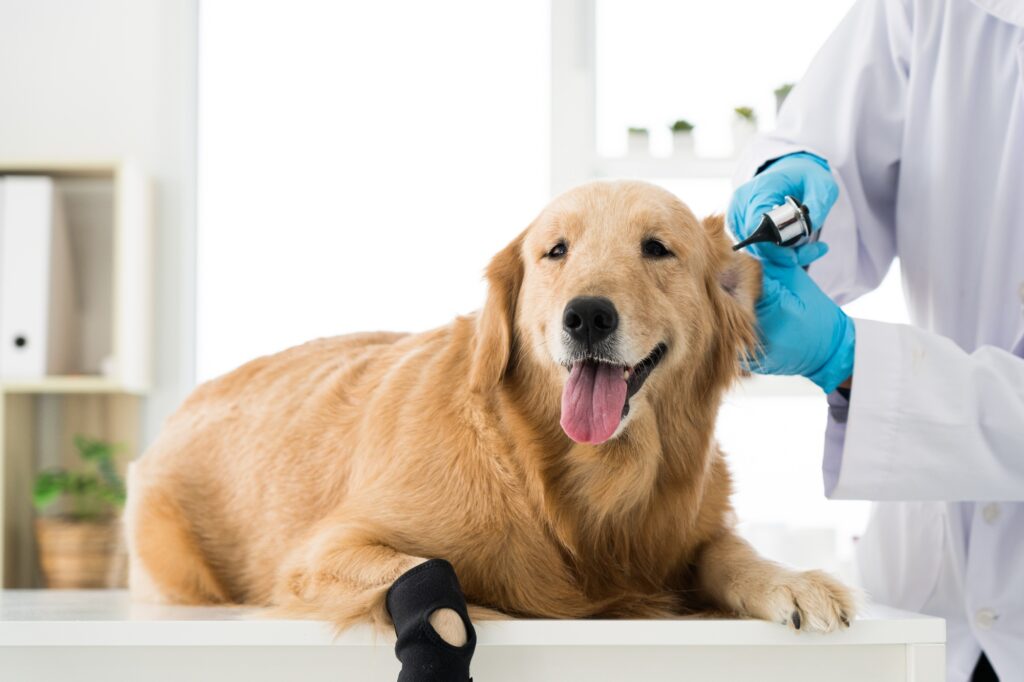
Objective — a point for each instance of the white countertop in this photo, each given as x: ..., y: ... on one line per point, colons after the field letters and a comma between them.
x: 109, y: 618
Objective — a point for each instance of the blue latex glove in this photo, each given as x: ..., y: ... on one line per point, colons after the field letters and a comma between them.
x: 802, y: 330
x: 802, y: 176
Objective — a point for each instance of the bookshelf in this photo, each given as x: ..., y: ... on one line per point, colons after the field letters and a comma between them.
x: 107, y: 209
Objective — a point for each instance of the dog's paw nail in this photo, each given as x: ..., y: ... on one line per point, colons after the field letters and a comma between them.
x: 796, y: 619
x: 844, y: 619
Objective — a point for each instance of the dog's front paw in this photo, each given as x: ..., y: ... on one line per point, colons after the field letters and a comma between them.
x: 807, y: 601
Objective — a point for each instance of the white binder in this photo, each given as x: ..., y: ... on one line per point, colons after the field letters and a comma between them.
x: 36, y: 298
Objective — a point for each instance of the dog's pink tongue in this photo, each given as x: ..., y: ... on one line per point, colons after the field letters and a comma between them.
x: 592, y: 402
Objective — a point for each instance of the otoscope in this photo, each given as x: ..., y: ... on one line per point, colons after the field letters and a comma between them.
x: 788, y: 224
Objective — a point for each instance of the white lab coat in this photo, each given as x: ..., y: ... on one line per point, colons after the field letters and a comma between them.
x: 918, y: 105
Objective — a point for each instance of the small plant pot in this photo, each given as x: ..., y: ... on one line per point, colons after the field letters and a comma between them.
x: 638, y: 143
x: 81, y: 554
x: 743, y: 131
x: 682, y: 144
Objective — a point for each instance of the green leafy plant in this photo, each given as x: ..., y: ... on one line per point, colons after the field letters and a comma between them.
x: 637, y: 131
x: 93, y: 493
x: 783, y: 90
x: 681, y: 126
x: 746, y: 113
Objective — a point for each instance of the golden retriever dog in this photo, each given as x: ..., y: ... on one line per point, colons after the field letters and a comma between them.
x: 556, y: 447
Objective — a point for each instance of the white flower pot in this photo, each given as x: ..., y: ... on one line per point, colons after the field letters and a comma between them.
x: 682, y: 144
x: 638, y: 143
x: 742, y: 132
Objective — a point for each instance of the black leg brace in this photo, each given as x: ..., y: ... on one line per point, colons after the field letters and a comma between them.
x: 417, y: 593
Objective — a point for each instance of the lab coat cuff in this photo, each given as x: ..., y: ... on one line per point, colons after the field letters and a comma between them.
x: 835, y: 436
x: 866, y: 441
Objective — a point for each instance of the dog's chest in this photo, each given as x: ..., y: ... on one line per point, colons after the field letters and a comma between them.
x: 534, y: 573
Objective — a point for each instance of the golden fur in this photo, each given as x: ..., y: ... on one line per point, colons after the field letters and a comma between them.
x: 309, y: 480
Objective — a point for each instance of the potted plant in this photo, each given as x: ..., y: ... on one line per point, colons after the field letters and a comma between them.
x: 682, y: 138
x: 744, y: 127
x: 781, y: 93
x: 79, y: 546
x: 638, y: 142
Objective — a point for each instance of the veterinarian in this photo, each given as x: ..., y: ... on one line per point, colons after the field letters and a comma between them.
x: 906, y: 139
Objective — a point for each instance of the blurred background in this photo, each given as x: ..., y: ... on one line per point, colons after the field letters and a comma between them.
x: 220, y: 179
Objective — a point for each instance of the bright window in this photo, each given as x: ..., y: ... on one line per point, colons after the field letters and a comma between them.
x: 360, y: 163
x: 661, y: 60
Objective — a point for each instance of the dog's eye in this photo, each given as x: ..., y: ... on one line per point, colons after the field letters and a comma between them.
x: 652, y: 248
x: 557, y: 251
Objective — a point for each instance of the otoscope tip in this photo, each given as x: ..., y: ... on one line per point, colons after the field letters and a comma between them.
x: 740, y: 245
x: 765, y: 232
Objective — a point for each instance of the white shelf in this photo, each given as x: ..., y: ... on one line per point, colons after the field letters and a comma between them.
x: 67, y: 385
x: 664, y: 167
x: 61, y: 167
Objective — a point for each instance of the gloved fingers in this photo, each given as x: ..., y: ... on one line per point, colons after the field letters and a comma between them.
x: 808, y: 253
x: 737, y: 213
x: 752, y: 199
x: 771, y: 289
x: 819, y: 196
x: 777, y: 279
x: 779, y: 255
x: 788, y: 293
x: 796, y: 288
x: 764, y: 200
x: 776, y: 310
x: 777, y: 300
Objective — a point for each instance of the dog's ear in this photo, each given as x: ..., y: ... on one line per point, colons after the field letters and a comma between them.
x: 736, y: 284
x: 495, y: 326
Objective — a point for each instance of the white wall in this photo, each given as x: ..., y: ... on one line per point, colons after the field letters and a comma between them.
x: 110, y: 79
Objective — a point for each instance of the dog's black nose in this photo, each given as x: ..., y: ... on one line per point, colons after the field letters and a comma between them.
x: 590, y: 319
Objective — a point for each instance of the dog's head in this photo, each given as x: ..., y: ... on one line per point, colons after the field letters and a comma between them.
x: 616, y: 291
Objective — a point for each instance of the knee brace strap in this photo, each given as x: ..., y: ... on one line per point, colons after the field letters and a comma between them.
x: 424, y: 655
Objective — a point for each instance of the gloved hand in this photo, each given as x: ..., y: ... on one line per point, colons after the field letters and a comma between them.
x: 802, y: 330
x: 802, y: 176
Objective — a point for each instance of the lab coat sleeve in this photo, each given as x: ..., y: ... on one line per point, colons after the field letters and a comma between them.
x: 927, y: 420
x: 849, y: 109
